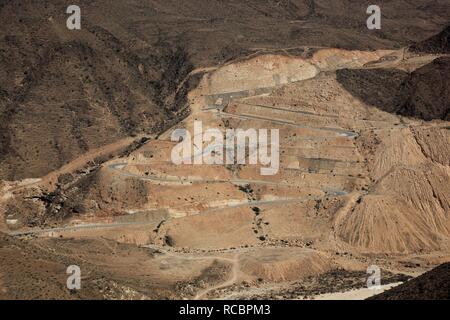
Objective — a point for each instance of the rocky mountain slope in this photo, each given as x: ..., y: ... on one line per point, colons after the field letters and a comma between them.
x: 363, y: 176
x: 440, y: 43
x: 426, y: 92
x: 65, y: 92
x: 433, y: 285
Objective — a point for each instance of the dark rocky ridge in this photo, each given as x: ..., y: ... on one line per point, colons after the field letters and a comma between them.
x: 439, y: 43
x: 433, y: 285
x: 423, y: 94
x: 426, y: 92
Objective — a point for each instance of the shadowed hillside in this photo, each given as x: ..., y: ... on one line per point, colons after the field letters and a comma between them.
x: 439, y: 43
x: 433, y: 285
x: 424, y: 94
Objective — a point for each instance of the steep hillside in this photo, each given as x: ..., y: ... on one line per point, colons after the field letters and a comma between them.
x: 357, y: 175
x: 423, y: 93
x: 439, y: 43
x: 426, y: 92
x: 65, y: 92
x: 433, y: 285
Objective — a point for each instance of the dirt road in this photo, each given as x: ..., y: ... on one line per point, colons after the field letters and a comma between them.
x: 203, y: 293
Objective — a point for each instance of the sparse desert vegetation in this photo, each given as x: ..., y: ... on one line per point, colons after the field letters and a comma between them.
x: 85, y: 154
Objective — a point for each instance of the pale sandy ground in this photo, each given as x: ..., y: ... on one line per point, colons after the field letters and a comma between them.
x: 358, y: 294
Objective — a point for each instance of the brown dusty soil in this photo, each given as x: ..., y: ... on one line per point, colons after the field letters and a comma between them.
x: 364, y: 155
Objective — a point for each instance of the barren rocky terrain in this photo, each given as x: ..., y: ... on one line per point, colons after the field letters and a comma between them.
x: 433, y: 285
x: 85, y: 153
